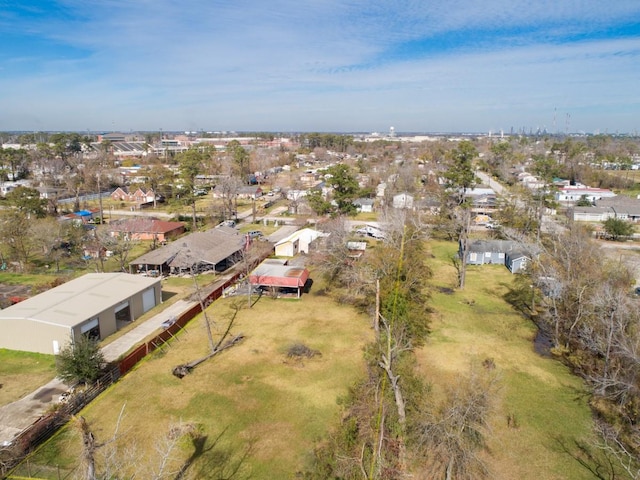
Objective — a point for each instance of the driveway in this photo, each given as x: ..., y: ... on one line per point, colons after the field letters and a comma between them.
x: 17, y: 416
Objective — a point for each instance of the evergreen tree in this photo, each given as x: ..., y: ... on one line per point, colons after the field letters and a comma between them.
x: 80, y: 361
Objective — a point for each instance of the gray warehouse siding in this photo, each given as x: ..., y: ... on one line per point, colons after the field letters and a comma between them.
x: 32, y: 336
x: 48, y: 319
x: 107, y: 318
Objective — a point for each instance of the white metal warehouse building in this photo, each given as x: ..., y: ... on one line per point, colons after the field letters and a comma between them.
x: 96, y: 305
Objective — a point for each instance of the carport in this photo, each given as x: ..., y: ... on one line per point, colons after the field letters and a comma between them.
x: 278, y: 277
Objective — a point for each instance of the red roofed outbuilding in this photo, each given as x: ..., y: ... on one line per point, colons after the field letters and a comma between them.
x: 278, y: 277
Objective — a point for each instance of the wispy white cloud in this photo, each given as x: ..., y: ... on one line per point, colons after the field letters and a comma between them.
x: 320, y: 64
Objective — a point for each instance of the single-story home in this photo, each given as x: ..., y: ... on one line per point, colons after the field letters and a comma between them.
x: 364, y: 205
x: 573, y: 193
x: 620, y: 207
x: 145, y: 228
x: 279, y: 278
x: 403, y: 200
x: 251, y: 192
x: 297, y: 242
x: 216, y: 250
x: 501, y: 252
x: 95, y: 305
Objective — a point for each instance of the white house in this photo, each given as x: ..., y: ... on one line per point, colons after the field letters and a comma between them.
x: 403, y: 200
x: 364, y: 204
x: 297, y: 242
x: 573, y: 193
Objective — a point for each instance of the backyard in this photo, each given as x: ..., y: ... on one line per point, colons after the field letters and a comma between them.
x: 253, y: 399
x: 539, y: 408
x: 256, y: 408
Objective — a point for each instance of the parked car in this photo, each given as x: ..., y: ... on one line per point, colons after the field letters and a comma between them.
x: 227, y: 223
x: 254, y: 234
x: 168, y: 322
x: 371, y: 232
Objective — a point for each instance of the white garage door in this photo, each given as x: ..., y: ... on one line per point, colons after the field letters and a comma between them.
x: 148, y: 299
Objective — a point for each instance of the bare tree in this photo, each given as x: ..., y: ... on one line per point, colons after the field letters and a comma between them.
x: 452, y: 433
x: 215, y: 348
x: 117, y: 457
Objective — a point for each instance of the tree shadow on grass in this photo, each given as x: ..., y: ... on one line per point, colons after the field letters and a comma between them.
x: 214, y: 460
x: 595, y: 462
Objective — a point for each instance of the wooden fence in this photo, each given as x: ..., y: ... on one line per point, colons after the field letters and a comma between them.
x: 47, y: 425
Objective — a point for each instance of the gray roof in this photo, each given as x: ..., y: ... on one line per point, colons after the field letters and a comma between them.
x: 511, y: 248
x: 212, y: 247
x: 77, y: 300
x: 617, y: 201
x: 495, y: 246
x: 283, y: 232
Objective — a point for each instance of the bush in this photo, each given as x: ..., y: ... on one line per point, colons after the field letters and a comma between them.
x: 80, y: 361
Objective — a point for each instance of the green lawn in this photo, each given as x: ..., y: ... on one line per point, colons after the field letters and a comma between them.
x: 254, y: 398
x: 545, y: 402
x: 22, y: 372
x: 250, y: 397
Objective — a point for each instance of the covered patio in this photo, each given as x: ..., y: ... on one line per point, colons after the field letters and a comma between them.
x: 279, y: 279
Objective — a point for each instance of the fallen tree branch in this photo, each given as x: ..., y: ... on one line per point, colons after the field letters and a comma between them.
x: 182, y: 370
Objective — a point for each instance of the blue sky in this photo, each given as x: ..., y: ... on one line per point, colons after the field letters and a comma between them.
x: 320, y: 65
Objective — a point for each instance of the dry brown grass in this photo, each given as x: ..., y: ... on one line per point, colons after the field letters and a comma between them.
x: 542, y: 396
x: 252, y: 394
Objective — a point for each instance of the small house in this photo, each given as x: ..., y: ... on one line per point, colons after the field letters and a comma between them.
x: 297, y: 242
x: 498, y: 252
x: 364, y: 205
x: 403, y: 201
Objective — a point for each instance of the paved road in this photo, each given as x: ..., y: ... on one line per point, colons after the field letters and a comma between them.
x: 497, y: 187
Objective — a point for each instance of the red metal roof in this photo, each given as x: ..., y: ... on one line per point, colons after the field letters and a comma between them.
x: 279, y: 276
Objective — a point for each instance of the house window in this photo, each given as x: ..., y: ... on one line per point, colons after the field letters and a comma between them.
x: 487, y: 254
x: 473, y: 257
x: 501, y: 255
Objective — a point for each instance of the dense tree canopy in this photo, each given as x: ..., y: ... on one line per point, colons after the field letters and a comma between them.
x: 27, y: 200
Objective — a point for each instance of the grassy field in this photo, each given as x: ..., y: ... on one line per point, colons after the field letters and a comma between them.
x: 545, y: 402
x: 22, y: 372
x: 252, y: 396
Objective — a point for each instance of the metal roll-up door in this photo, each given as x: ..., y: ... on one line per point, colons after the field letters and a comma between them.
x: 148, y: 299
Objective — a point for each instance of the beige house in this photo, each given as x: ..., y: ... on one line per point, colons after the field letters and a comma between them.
x: 297, y: 242
x: 95, y: 305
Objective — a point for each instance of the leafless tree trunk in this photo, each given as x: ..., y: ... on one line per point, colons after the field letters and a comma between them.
x: 88, y: 449
x: 451, y: 433
x: 376, y: 318
x: 465, y: 228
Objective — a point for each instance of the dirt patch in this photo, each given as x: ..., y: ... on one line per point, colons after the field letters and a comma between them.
x: 10, y: 293
x: 47, y: 395
x: 446, y: 290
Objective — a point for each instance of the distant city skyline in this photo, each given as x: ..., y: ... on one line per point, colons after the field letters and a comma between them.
x: 322, y: 65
